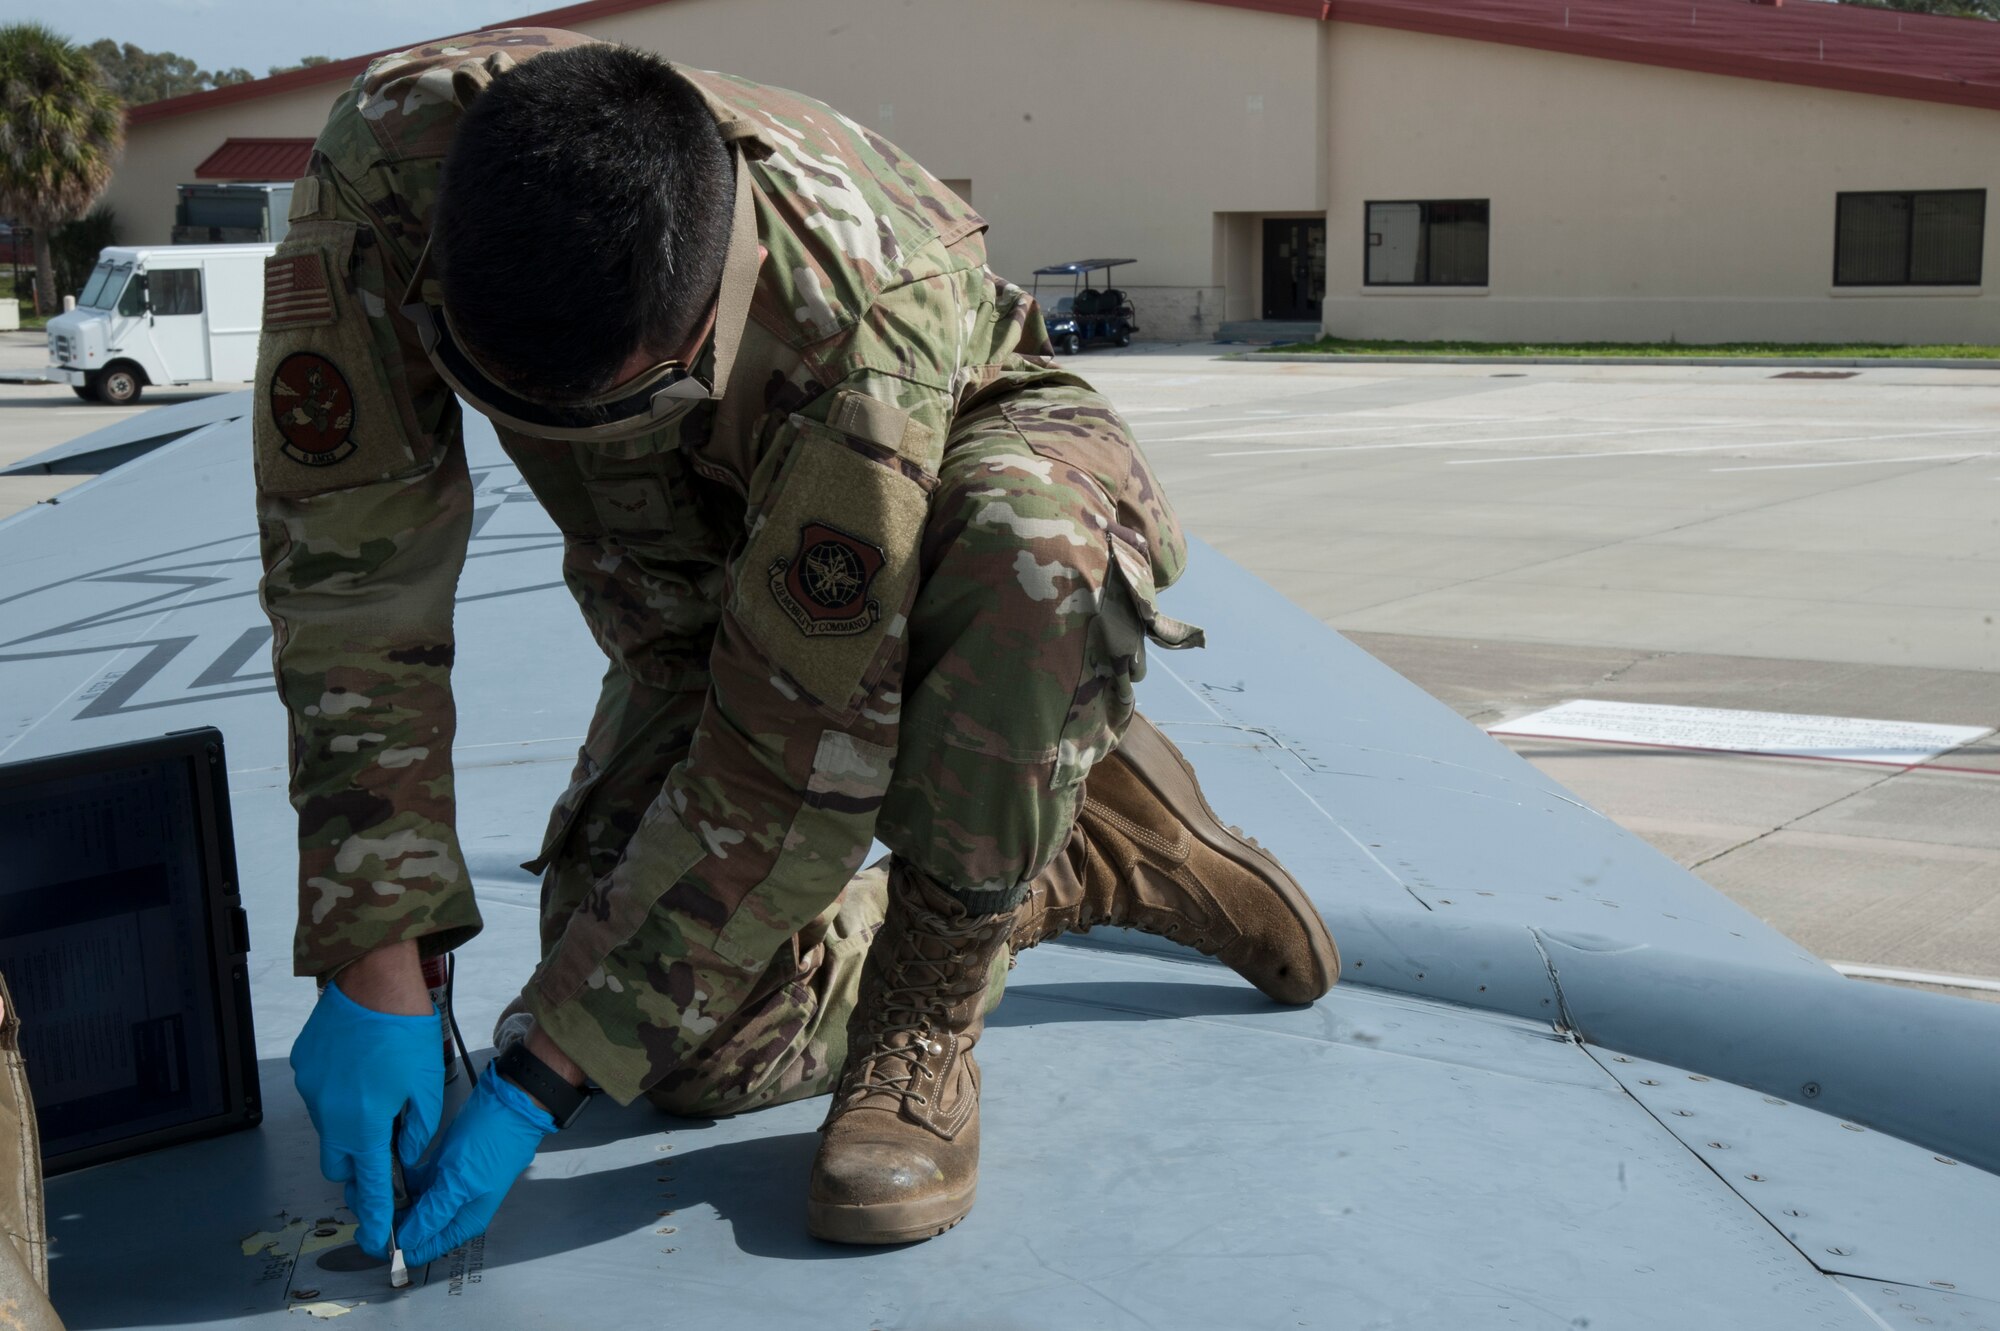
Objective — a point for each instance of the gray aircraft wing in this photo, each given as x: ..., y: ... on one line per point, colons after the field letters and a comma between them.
x: 1562, y: 1083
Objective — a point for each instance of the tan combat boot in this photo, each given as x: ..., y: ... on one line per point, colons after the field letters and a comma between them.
x: 899, y: 1151
x: 1148, y: 853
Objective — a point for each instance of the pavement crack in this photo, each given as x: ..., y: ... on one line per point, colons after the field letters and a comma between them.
x: 1799, y: 818
x: 1647, y: 658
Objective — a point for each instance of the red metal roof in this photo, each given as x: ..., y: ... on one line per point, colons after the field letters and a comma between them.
x: 1847, y: 47
x: 256, y: 159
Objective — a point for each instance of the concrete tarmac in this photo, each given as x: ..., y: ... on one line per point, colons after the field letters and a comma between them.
x: 36, y: 414
x: 1747, y: 538
x: 1510, y: 538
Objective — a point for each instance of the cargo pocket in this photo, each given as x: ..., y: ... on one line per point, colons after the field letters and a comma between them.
x: 824, y: 586
x: 1114, y: 657
x: 823, y: 848
x: 562, y: 821
x: 325, y: 415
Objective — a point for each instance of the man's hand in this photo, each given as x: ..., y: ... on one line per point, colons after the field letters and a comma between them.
x: 372, y: 1049
x: 489, y: 1143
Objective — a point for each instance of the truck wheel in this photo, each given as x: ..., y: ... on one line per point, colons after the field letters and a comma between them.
x: 83, y: 391
x: 119, y: 385
x: 1071, y: 344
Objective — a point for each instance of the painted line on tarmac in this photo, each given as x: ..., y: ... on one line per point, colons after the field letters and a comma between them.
x: 1439, y: 424
x: 1860, y: 462
x: 1454, y: 443
x: 1717, y: 448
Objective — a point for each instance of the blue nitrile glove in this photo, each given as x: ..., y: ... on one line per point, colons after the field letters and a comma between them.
x: 487, y: 1146
x: 356, y: 1069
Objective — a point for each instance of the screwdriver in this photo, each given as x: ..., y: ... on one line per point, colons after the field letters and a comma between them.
x: 399, y: 1271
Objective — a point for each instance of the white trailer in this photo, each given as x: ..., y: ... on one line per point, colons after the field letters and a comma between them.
x: 161, y: 315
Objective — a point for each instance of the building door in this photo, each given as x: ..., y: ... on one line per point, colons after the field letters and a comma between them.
x: 1294, y: 267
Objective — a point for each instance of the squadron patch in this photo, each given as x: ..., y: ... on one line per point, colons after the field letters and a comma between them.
x: 824, y: 585
x: 313, y: 408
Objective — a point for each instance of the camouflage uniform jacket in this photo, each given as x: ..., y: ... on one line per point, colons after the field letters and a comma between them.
x: 874, y: 320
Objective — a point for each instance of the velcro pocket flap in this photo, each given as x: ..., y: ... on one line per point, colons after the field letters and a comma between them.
x: 1134, y: 568
x: 879, y: 422
x: 324, y: 417
x: 827, y: 575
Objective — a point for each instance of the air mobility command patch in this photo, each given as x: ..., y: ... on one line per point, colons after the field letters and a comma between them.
x: 313, y: 408
x: 823, y: 586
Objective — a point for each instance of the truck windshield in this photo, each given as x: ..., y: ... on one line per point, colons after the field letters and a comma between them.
x: 106, y: 281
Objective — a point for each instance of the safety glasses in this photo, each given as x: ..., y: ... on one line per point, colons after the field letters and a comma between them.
x: 638, y: 406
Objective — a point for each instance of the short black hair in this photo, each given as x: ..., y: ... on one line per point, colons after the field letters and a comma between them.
x: 583, y: 215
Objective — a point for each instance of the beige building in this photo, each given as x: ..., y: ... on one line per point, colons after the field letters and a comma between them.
x: 1492, y: 169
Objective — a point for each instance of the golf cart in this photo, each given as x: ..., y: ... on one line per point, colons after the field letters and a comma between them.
x: 1087, y: 314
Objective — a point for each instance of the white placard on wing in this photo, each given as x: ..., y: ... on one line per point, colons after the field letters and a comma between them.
x: 1839, y: 738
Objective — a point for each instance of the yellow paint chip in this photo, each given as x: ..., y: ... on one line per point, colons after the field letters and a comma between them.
x: 326, y: 1309
x: 264, y: 1240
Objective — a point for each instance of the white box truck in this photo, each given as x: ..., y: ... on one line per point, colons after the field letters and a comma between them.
x: 161, y: 315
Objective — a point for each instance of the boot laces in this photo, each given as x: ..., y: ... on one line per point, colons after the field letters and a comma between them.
x: 915, y: 1001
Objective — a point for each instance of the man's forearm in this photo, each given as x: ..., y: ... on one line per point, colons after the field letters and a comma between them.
x: 388, y: 979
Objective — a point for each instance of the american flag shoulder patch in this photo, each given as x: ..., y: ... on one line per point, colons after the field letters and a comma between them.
x: 296, y: 292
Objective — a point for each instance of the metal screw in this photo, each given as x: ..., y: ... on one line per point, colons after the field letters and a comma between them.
x: 1620, y: 1058
x: 1810, y: 1090
x: 1854, y: 1127
x: 1944, y: 1159
x: 1684, y: 1113
x: 1754, y: 1178
x: 1793, y: 1210
x: 1773, y: 1100
x: 305, y: 1293
x: 1717, y: 1146
x: 1944, y: 1284
x: 1696, y: 1076
x: 1649, y: 1081
x: 324, y: 1232
x: 1841, y: 1252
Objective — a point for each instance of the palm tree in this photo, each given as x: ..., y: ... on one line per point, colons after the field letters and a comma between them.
x: 60, y: 128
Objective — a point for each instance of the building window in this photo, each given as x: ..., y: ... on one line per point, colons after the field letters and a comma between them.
x: 1909, y: 238
x: 1435, y: 243
x: 175, y: 290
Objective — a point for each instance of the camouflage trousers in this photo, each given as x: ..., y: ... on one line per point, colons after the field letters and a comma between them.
x: 1045, y: 541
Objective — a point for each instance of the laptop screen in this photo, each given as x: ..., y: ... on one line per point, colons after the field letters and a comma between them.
x: 109, y: 944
